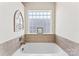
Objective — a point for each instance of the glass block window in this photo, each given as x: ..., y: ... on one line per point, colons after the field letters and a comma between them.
x: 39, y: 18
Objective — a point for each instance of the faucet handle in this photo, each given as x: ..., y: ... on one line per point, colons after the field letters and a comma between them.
x: 20, y: 38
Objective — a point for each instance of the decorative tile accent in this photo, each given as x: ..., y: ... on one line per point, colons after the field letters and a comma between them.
x: 39, y: 38
x: 70, y: 47
x: 9, y: 47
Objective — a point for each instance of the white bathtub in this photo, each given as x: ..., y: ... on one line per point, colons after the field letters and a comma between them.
x: 40, y: 49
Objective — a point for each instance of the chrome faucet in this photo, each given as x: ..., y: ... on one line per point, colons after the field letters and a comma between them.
x: 22, y: 49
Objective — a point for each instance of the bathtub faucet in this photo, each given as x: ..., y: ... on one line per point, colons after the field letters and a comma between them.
x: 22, y: 49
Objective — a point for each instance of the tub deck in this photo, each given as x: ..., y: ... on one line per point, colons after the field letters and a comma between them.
x: 40, y: 49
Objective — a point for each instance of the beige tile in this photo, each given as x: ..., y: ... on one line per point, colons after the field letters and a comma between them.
x: 70, y: 47
x: 9, y: 47
x: 39, y: 38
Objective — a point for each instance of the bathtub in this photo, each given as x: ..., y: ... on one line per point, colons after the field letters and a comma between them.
x: 40, y: 49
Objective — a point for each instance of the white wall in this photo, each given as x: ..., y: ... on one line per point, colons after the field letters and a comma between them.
x: 39, y: 6
x: 6, y: 20
x: 67, y: 20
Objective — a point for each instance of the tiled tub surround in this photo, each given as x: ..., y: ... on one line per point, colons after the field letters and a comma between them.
x: 9, y: 47
x: 68, y: 46
x: 40, y: 38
